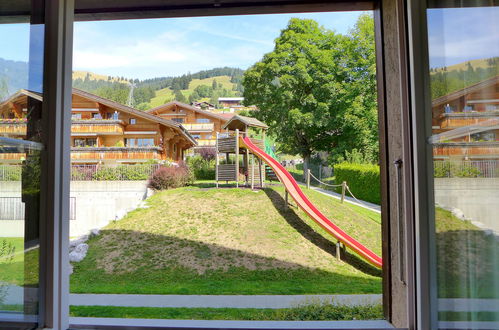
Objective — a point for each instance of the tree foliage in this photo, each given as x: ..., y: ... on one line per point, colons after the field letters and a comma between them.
x: 316, y: 90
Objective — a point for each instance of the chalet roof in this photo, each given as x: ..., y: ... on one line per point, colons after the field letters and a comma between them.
x: 239, y: 122
x: 168, y: 105
x: 470, y: 89
x: 114, y: 105
x: 22, y: 93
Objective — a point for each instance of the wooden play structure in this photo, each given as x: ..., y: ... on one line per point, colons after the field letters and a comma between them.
x: 239, y: 140
x: 228, y: 145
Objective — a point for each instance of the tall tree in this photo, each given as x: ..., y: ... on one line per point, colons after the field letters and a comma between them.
x: 308, y: 92
x: 179, y: 96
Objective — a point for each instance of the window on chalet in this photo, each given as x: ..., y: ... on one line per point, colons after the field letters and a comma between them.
x: 196, y: 136
x: 96, y: 116
x: 134, y: 142
x: 491, y: 107
x: 133, y: 121
x: 76, y: 116
x: 483, y: 137
x: 178, y: 120
x: 113, y: 115
x: 85, y: 142
x: 203, y: 120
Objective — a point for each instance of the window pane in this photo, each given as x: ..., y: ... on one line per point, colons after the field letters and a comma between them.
x: 21, y: 145
x: 193, y: 239
x: 464, y: 62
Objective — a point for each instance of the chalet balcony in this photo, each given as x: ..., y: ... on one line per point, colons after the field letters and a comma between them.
x: 196, y: 128
x: 467, y: 149
x: 13, y: 127
x: 97, y: 126
x: 206, y: 142
x: 96, y: 154
x: 459, y: 119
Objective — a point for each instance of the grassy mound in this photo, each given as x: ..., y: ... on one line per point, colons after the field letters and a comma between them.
x: 197, y: 240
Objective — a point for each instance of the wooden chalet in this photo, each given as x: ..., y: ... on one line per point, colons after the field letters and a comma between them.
x: 201, y: 124
x: 102, y: 131
x: 465, y: 123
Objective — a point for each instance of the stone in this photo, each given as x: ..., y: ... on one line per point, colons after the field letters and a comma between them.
x: 78, y: 253
x: 75, y: 242
x: 94, y: 232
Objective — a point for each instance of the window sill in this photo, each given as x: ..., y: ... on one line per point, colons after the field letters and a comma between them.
x: 115, y: 323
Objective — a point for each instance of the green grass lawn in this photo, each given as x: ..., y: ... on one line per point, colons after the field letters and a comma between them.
x: 12, y: 270
x: 199, y: 240
x: 467, y: 264
x: 313, y: 312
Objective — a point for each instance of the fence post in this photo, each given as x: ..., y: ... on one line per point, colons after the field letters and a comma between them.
x: 343, y: 190
x: 338, y: 250
x: 308, y: 178
x: 286, y: 205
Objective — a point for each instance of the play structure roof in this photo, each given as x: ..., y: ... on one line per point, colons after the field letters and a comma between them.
x: 242, y: 122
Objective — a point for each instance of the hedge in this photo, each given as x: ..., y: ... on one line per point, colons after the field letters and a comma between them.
x: 362, y: 179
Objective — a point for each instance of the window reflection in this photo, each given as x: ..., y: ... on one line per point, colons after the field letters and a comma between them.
x: 464, y: 75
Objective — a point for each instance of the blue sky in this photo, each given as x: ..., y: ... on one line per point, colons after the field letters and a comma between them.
x: 163, y: 47
x: 461, y: 34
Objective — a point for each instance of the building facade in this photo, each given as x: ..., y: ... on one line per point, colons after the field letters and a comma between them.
x: 465, y: 123
x: 102, y: 131
x: 201, y: 124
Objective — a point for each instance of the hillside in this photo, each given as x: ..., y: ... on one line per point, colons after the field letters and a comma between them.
x: 224, y: 88
x: 96, y: 76
x: 456, y: 77
x: 480, y: 63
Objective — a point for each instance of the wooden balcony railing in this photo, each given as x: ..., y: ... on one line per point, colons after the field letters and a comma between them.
x: 206, y: 142
x: 208, y: 127
x: 452, y: 120
x: 12, y: 127
x: 116, y: 153
x: 483, y: 149
x: 97, y: 126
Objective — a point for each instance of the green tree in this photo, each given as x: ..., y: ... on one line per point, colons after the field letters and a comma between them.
x: 214, y: 84
x: 179, y: 96
x: 4, y: 89
x: 310, y: 89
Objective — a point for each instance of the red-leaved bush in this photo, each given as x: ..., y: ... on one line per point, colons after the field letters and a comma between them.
x: 171, y: 177
x: 207, y: 153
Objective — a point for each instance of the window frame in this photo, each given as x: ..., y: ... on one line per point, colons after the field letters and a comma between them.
x: 60, y: 14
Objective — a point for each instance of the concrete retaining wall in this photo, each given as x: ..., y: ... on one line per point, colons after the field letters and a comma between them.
x: 477, y: 198
x: 96, y: 204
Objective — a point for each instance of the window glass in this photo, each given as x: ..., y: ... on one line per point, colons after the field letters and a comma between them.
x: 308, y: 77
x: 76, y: 116
x: 21, y: 152
x: 133, y: 121
x: 464, y: 76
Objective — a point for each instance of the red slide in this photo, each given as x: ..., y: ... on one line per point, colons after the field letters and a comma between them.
x: 304, y: 203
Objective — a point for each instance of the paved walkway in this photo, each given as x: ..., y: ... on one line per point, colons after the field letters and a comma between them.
x: 221, y: 301
x: 348, y: 199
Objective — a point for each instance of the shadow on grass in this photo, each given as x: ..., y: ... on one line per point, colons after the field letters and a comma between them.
x: 145, y: 263
x: 317, y: 239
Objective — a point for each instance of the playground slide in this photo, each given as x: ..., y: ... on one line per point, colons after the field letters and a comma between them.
x: 304, y: 203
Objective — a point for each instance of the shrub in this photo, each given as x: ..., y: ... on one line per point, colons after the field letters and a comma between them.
x: 207, y: 153
x: 10, y: 173
x: 322, y: 311
x: 170, y: 177
x: 362, y: 179
x: 202, y: 169
x: 446, y: 169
